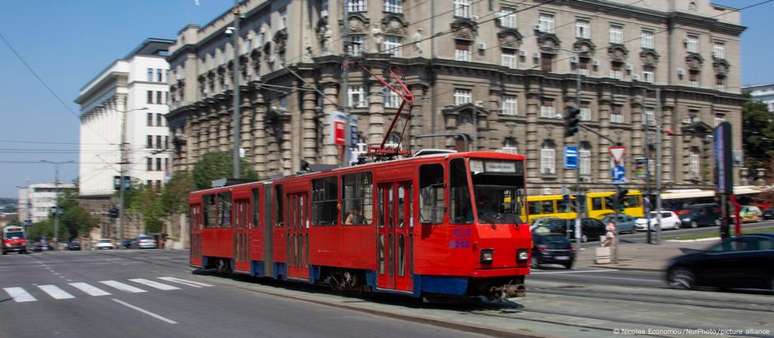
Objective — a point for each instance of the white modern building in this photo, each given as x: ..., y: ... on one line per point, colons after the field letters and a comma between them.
x: 37, y: 200
x: 763, y: 93
x: 129, y: 96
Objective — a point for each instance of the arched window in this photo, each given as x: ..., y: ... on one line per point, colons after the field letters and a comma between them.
x: 548, y: 158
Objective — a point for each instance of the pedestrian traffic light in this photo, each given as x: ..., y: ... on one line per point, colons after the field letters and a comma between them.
x: 618, y: 200
x: 571, y: 121
x: 113, y: 212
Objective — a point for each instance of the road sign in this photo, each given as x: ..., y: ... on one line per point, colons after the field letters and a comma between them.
x: 570, y: 157
x: 619, y: 174
x: 617, y: 152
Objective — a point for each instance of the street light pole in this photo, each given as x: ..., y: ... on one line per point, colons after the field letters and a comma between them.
x: 236, y: 123
x: 56, y: 191
x: 122, y: 172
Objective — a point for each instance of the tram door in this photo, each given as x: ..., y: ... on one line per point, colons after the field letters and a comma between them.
x: 394, y: 242
x: 195, y: 223
x: 241, y: 238
x: 297, y: 246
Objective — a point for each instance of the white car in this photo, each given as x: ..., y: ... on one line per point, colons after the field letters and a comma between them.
x: 146, y: 242
x: 104, y: 244
x: 669, y: 220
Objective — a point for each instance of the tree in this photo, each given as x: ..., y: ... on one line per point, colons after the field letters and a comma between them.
x: 74, y: 218
x: 40, y: 229
x: 758, y: 136
x: 146, y: 201
x: 174, y: 196
x: 217, y: 165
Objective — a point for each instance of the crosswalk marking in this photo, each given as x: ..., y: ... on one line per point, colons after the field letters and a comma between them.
x: 155, y: 285
x: 122, y: 286
x: 184, y: 282
x: 19, y: 295
x: 90, y: 289
x: 55, y: 292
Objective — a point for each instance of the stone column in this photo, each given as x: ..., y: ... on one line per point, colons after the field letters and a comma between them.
x: 638, y: 148
x: 533, y: 143
x: 667, y: 151
x: 225, y: 142
x: 605, y: 102
x: 330, y: 104
x: 309, y: 133
x: 245, y: 134
x: 287, y: 144
x: 376, y: 120
x: 259, y: 133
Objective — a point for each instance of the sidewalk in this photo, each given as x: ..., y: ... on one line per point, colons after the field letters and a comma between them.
x: 639, y: 256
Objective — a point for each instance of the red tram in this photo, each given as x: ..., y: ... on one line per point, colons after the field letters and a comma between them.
x: 436, y: 225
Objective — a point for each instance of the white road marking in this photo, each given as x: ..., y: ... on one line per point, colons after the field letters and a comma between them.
x: 122, y: 286
x: 90, y: 289
x: 569, y: 271
x: 156, y: 285
x: 159, y: 317
x: 184, y: 282
x: 19, y: 295
x: 55, y: 292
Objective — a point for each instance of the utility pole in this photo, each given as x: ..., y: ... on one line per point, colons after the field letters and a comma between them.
x: 348, y: 46
x: 659, y: 139
x: 648, y: 192
x: 578, y: 211
x: 122, y: 170
x: 56, y: 191
x: 236, y: 123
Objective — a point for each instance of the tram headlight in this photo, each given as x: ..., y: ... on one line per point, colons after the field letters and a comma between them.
x: 487, y: 256
x: 522, y: 255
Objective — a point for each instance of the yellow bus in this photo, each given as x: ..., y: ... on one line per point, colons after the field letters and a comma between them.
x: 597, y: 206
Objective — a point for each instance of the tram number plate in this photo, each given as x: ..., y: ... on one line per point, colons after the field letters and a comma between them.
x: 562, y: 258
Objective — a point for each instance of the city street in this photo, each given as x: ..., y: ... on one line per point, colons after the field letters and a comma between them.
x: 131, y: 293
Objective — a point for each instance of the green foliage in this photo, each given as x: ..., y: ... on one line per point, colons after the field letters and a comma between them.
x: 40, y: 229
x: 174, y: 196
x: 758, y: 134
x: 217, y: 165
x: 147, y: 202
x: 74, y: 219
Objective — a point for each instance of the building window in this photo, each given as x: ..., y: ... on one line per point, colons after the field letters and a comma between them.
x: 355, y: 47
x: 356, y: 198
x: 149, y: 122
x: 582, y: 29
x: 720, y: 83
x: 617, y: 114
x: 166, y: 142
x: 324, y: 201
x: 547, y: 62
x: 581, y: 66
x: 510, y: 145
x: 462, y: 96
x: 585, y: 112
x: 150, y: 97
x: 149, y: 142
x: 357, y: 97
x: 694, y: 163
x: 150, y: 75
x: 650, y: 117
x: 462, y: 51
x: 158, y: 164
x: 616, y: 71
x: 508, y: 58
x: 507, y: 17
x: 584, y: 165
x: 547, y: 160
x: 392, y: 45
x: 158, y: 97
x: 692, y: 43
x: 648, y: 74
x: 354, y: 6
x: 149, y: 183
x: 547, y: 109
x: 159, y: 75
x: 393, y: 6
x: 149, y: 164
x: 159, y: 120
x: 391, y: 99
x: 283, y: 14
x: 616, y: 34
x: 647, y: 40
x: 546, y: 23
x: 158, y: 184
x: 693, y: 79
x: 462, y: 8
x: 158, y: 142
x: 166, y: 164
x: 510, y: 105
x: 719, y: 50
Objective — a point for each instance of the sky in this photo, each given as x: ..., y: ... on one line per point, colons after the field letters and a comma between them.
x: 68, y: 42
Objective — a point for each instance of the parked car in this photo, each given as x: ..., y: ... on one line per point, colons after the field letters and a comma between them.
x: 145, y: 242
x: 127, y: 243
x: 750, y: 213
x: 768, y: 214
x: 669, y: 220
x: 739, y: 262
x: 105, y: 244
x: 624, y: 224
x: 74, y: 245
x: 700, y: 215
x: 551, y: 248
x: 42, y: 245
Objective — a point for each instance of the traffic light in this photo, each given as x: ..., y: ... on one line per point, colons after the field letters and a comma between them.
x: 571, y: 121
x: 113, y: 212
x: 618, y: 199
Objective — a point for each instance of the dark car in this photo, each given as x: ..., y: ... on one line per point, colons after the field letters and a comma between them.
x: 624, y: 224
x: 701, y: 215
x: 591, y: 228
x: 42, y: 245
x: 74, y: 245
x: 552, y: 248
x: 768, y: 213
x: 127, y: 243
x: 740, y: 262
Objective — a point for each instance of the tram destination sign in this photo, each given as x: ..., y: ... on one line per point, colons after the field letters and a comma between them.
x: 497, y: 167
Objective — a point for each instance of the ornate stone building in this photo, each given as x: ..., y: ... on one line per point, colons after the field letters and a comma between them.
x: 500, y: 73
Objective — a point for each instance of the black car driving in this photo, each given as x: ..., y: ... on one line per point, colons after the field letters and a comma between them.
x: 739, y: 262
x: 768, y: 213
x: 551, y: 248
x: 701, y: 215
x: 591, y: 228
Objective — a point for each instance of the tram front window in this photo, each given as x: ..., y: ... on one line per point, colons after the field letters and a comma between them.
x: 499, y: 191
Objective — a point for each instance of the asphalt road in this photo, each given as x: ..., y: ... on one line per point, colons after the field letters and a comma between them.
x: 153, y: 293
x: 599, y: 276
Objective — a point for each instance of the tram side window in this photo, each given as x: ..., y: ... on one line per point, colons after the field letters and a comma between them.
x: 432, y: 199
x: 279, y: 214
x: 210, y: 211
x: 324, y: 201
x: 541, y: 207
x: 224, y: 209
x: 460, y: 209
x: 632, y: 202
x: 596, y: 203
x: 564, y: 205
x: 256, y: 208
x: 357, y: 198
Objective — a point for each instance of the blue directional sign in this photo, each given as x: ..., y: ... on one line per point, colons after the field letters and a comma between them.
x: 619, y: 174
x: 570, y: 157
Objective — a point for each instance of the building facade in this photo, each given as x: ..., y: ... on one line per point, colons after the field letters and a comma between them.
x: 36, y: 201
x: 129, y: 97
x: 497, y: 74
x: 762, y: 93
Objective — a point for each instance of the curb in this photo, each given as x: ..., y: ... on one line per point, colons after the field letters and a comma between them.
x: 692, y: 240
x: 614, y: 267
